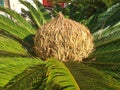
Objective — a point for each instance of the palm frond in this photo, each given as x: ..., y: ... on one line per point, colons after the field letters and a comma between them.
x: 38, y: 15
x: 91, y: 78
x: 109, y: 3
x: 107, y: 53
x: 19, y: 19
x: 107, y: 35
x: 16, y: 75
x: 91, y: 22
x: 42, y: 9
x: 112, y: 69
x: 59, y: 77
x: 107, y: 45
x: 79, y: 11
x: 109, y: 17
x: 12, y: 27
x: 31, y: 20
x: 7, y: 47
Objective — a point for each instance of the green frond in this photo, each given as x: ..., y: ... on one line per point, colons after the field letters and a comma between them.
x: 66, y: 11
x: 107, y: 45
x: 17, y: 73
x: 109, y: 17
x: 59, y: 77
x: 112, y: 69
x: 32, y: 21
x: 91, y: 22
x: 32, y: 79
x: 107, y: 53
x: 37, y: 15
x: 13, y: 28
x: 19, y: 19
x: 109, y: 3
x: 107, y: 35
x: 107, y: 57
x: 9, y: 46
x: 91, y: 78
x: 42, y: 9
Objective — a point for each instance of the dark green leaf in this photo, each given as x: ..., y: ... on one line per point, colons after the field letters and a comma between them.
x: 109, y: 17
x: 10, y: 46
x: 59, y: 77
x: 90, y: 78
x: 19, y: 19
x: 13, y: 28
x: 12, y: 67
x: 37, y: 15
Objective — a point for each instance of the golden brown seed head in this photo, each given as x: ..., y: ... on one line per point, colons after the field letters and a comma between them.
x: 63, y: 39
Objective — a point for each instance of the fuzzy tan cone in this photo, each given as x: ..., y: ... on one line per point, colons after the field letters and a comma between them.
x: 63, y: 39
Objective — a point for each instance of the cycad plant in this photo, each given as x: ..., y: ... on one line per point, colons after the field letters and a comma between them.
x: 21, y: 69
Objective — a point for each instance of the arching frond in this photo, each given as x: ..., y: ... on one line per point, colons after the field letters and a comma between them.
x: 19, y: 19
x: 112, y: 69
x: 107, y: 35
x: 43, y: 12
x: 12, y: 27
x: 107, y: 44
x: 92, y: 78
x: 109, y: 17
x: 16, y: 75
x: 38, y: 15
x: 7, y: 47
x: 59, y: 77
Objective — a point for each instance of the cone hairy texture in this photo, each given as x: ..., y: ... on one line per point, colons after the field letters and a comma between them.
x: 63, y: 39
